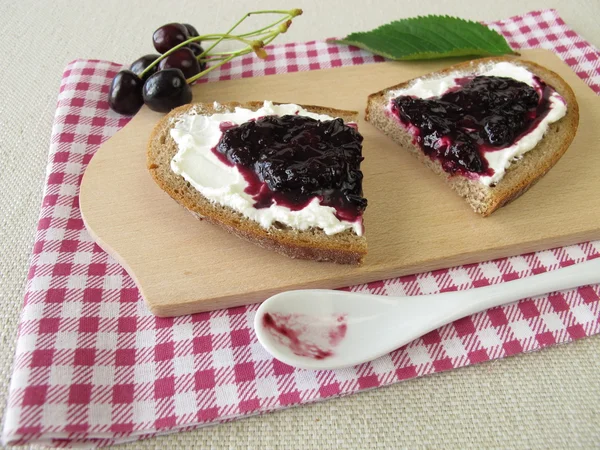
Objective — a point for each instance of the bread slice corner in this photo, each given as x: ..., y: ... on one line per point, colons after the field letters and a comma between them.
x: 521, y: 175
x: 313, y: 244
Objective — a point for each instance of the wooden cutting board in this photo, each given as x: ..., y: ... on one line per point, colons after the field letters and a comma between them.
x: 414, y: 223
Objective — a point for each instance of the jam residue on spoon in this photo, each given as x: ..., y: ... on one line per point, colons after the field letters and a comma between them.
x: 306, y: 335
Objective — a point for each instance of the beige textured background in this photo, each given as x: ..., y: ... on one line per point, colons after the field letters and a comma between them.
x: 550, y: 399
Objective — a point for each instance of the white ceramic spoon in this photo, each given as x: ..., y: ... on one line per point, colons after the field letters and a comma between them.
x: 377, y: 325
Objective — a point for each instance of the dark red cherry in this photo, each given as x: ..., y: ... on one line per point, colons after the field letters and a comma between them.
x: 191, y: 30
x: 168, y: 36
x: 166, y: 89
x: 125, y: 93
x: 198, y: 50
x: 140, y: 64
x: 183, y: 59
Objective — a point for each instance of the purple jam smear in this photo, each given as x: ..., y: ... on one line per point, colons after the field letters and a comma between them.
x: 290, y: 330
x: 480, y: 114
x: 292, y: 159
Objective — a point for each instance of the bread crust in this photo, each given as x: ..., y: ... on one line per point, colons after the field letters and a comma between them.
x: 520, y: 176
x: 314, y: 244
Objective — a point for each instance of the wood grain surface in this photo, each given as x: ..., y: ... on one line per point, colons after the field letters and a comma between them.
x: 414, y: 223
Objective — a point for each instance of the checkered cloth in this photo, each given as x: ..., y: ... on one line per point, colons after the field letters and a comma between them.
x: 94, y: 367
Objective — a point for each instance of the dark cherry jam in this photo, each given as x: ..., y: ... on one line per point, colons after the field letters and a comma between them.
x: 290, y: 160
x: 480, y: 114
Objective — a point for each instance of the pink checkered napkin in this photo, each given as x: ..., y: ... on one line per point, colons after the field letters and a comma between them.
x: 94, y: 367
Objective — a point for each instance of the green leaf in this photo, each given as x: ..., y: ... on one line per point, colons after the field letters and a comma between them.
x: 430, y: 37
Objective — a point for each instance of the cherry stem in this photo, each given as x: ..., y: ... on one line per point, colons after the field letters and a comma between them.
x: 220, y: 37
x: 269, y: 35
x: 254, y: 33
x: 210, y: 69
x: 214, y: 58
x: 251, y: 13
x: 269, y: 38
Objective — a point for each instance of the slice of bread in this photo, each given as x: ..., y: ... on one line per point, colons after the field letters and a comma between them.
x: 344, y: 248
x: 521, y: 175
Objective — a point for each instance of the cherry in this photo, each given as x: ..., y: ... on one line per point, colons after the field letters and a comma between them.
x: 191, y: 30
x: 183, y: 59
x: 168, y: 36
x: 140, y: 64
x: 197, y: 50
x: 166, y: 89
x: 125, y: 93
x: 162, y: 92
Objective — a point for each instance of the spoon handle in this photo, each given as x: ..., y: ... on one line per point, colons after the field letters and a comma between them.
x: 557, y: 280
x: 429, y: 312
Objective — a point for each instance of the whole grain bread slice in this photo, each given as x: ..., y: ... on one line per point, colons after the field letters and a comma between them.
x: 344, y: 248
x: 521, y: 175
